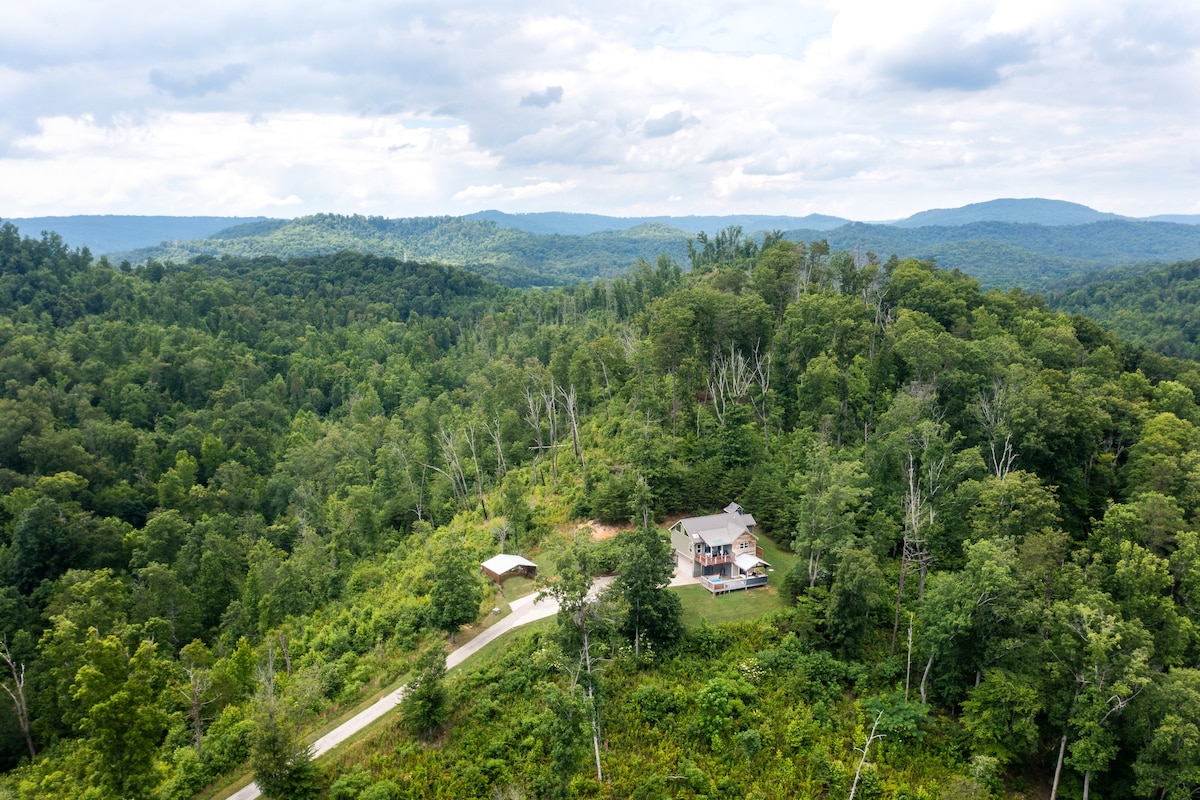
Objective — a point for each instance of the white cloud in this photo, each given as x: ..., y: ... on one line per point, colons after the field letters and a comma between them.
x: 860, y: 108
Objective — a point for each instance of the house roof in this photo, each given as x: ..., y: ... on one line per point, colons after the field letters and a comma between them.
x: 717, y: 529
x: 503, y: 563
x: 748, y: 561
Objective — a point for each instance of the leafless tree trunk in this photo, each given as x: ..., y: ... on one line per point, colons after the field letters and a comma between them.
x: 871, y: 738
x: 193, y: 692
x: 17, y: 693
x: 535, y: 421
x: 908, y: 666
x: 1062, y: 749
x: 550, y: 400
x: 501, y: 466
x: 762, y: 377
x: 475, y: 463
x: 572, y: 409
x: 447, y: 441
x: 925, y: 675
x: 729, y: 380
x: 992, y: 412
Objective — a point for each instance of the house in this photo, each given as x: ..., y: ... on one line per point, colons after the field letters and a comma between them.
x: 720, y: 549
x: 498, y: 568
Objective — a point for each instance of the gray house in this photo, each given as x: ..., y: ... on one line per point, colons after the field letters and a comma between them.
x: 721, y: 549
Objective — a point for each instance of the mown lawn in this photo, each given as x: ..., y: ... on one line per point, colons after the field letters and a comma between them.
x: 699, y: 604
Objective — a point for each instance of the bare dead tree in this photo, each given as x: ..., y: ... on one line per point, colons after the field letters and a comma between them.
x: 762, y: 378
x: 535, y: 422
x: 195, y: 695
x: 475, y: 462
x: 908, y: 664
x: 550, y: 401
x: 729, y: 381
x: 448, y: 444
x: 872, y: 737
x: 992, y: 411
x: 571, y: 406
x: 495, y: 432
x: 16, y: 693
x: 924, y: 461
x: 287, y: 652
x: 412, y: 486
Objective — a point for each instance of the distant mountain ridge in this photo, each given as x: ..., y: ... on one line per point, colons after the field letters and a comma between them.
x: 1036, y: 243
x: 582, y: 224
x: 114, y: 233
x: 1035, y: 210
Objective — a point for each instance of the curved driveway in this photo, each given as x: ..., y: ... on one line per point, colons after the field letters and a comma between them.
x: 524, y: 610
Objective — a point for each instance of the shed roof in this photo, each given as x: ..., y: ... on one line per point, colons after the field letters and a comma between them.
x: 503, y: 563
x: 748, y: 561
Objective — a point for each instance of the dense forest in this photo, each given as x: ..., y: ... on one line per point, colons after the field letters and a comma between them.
x: 506, y: 255
x: 1002, y: 254
x: 239, y: 495
x: 1156, y: 307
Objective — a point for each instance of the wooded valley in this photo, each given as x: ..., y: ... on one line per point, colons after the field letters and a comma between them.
x: 240, y: 496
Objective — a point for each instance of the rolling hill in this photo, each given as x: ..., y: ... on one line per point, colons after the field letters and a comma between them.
x: 1031, y: 243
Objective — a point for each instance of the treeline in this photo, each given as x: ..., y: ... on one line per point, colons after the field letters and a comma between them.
x: 230, y: 487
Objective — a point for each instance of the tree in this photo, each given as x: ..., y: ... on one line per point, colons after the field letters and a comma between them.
x: 1001, y: 716
x: 577, y: 617
x: 832, y: 494
x: 16, y: 692
x: 856, y: 590
x: 1101, y: 664
x: 1168, y: 765
x: 423, y: 708
x: 647, y: 565
x: 196, y: 662
x: 456, y: 593
x: 41, y: 544
x: 283, y: 765
x: 976, y: 601
x: 122, y: 713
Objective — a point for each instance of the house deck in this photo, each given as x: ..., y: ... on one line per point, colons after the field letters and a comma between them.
x: 718, y: 585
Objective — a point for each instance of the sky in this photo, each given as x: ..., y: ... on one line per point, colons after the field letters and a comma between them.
x: 397, y: 108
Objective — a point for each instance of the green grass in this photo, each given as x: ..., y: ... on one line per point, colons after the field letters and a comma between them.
x: 699, y: 604
x: 780, y: 557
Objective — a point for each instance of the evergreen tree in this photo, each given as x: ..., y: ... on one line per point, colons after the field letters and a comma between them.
x: 283, y: 765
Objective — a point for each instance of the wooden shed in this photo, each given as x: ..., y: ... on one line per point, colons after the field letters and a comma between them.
x: 500, y: 567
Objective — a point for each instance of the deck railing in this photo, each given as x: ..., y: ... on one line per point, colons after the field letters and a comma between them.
x: 710, y: 561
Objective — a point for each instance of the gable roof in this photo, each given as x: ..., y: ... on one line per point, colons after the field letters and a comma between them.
x: 503, y: 563
x: 717, y: 529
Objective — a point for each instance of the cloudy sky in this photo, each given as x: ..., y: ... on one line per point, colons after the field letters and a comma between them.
x: 868, y: 110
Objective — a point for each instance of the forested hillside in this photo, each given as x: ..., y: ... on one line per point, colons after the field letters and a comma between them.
x: 507, y: 255
x: 238, y: 495
x: 1156, y: 307
x: 1003, y: 254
